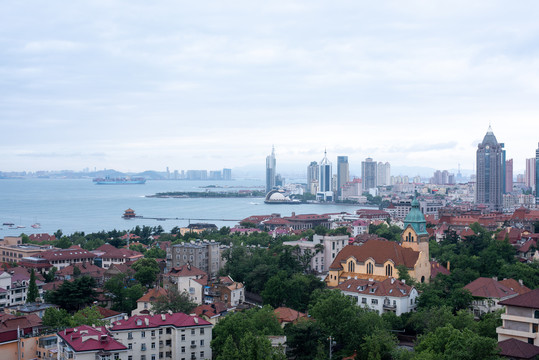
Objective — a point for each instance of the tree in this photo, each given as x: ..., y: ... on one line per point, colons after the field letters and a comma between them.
x: 76, y: 271
x: 60, y: 318
x: 379, y: 345
x: 155, y: 253
x: 124, y: 294
x: 303, y: 338
x: 173, y: 301
x: 320, y: 230
x: 56, y: 318
x: 238, y: 325
x: 73, y: 295
x: 450, y: 343
x: 146, y: 271
x: 49, y: 277
x: 33, y: 292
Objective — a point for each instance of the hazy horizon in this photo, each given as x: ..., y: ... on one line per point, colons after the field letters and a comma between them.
x: 136, y: 86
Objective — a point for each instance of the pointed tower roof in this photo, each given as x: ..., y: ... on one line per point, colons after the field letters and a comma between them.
x: 489, y: 138
x: 416, y: 218
x: 325, y: 160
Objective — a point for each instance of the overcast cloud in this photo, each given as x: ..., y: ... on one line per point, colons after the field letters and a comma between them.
x: 136, y: 85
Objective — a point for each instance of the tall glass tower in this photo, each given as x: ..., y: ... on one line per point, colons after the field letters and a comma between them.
x: 490, y: 174
x: 270, y: 170
x: 537, y: 175
x: 343, y: 173
x: 325, y: 174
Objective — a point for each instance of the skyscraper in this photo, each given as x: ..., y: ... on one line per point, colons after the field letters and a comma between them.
x: 529, y: 174
x: 325, y: 174
x: 313, y: 173
x: 368, y: 174
x: 508, y: 176
x: 537, y: 175
x: 343, y: 173
x: 490, y: 172
x: 270, y: 170
x: 384, y: 174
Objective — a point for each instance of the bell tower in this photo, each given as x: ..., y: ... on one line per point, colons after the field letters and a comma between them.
x: 416, y: 237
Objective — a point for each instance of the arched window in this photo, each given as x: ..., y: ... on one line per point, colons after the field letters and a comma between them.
x: 370, y: 268
x: 389, y: 270
x: 422, y: 279
x: 351, y: 267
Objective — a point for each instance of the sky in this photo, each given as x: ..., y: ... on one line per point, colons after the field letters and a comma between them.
x: 139, y: 85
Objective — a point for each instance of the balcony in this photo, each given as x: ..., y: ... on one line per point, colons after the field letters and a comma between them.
x: 389, y: 306
x: 516, y: 333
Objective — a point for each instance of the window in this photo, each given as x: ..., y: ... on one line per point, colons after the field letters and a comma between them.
x: 202, y: 342
x: 202, y: 354
x: 202, y: 331
x: 351, y: 267
x: 192, y: 331
x: 153, y: 356
x: 142, y: 357
x: 333, y: 246
x: 169, y: 342
x: 374, y: 301
x: 143, y: 334
x: 536, y: 314
x: 160, y: 331
x: 183, y: 349
x: 130, y: 357
x: 153, y: 345
x: 370, y: 268
x: 534, y: 328
x: 116, y: 356
x: 169, y: 331
x: 153, y: 333
x: 130, y: 346
x: 143, y: 347
x: 183, y: 337
x: 363, y: 300
x: 130, y: 336
x: 389, y: 270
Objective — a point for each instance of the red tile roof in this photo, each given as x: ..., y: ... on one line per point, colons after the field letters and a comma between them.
x: 85, y: 268
x: 527, y: 300
x: 515, y: 286
x: 106, y: 313
x: 153, y: 321
x: 87, y: 338
x: 489, y: 288
x: 41, y: 237
x: 74, y: 252
x: 388, y: 287
x: 380, y: 251
x: 112, y: 252
x: 185, y: 270
x: 288, y: 315
x: 513, y: 348
x: 436, y: 268
x: 153, y: 294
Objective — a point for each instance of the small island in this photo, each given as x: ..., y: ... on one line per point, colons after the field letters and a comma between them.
x: 210, y: 194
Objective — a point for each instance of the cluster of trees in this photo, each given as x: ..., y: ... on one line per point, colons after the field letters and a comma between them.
x: 392, y: 232
x: 60, y: 318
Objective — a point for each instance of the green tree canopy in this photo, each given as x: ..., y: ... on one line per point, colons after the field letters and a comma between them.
x: 173, y: 301
x: 33, y: 292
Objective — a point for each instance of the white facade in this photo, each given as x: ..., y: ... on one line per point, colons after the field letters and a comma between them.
x: 13, y: 291
x: 166, y: 342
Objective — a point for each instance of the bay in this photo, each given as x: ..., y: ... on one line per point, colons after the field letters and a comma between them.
x: 80, y: 205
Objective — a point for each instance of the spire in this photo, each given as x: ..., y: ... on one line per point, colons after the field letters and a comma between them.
x: 273, y: 150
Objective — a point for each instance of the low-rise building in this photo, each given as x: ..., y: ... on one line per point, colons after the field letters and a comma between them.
x: 487, y: 293
x: 164, y: 336
x: 204, y: 255
x: 14, y: 287
x: 108, y: 255
x: 521, y: 318
x: 13, y: 250
x: 89, y: 343
x: 389, y: 295
x: 187, y: 278
x: 61, y: 258
x: 17, y: 336
x: 144, y: 304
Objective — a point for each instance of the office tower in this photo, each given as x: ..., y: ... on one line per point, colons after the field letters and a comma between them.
x: 508, y: 176
x: 490, y: 172
x: 270, y: 170
x: 312, y: 177
x: 537, y: 175
x: 368, y: 174
x: 529, y: 175
x: 227, y: 174
x: 325, y: 174
x: 383, y: 175
x: 216, y: 175
x: 343, y: 173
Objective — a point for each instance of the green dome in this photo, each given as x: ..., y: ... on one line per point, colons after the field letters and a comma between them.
x: 416, y: 218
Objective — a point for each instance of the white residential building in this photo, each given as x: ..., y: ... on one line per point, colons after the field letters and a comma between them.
x: 164, y: 336
x: 521, y: 318
x: 322, y: 259
x: 389, y: 295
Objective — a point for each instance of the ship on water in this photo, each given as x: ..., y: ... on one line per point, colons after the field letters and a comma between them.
x: 120, y: 181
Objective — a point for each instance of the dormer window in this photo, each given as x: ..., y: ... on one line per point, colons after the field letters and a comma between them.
x: 370, y: 268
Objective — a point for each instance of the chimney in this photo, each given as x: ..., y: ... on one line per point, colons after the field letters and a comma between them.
x: 521, y: 282
x: 196, y: 320
x: 448, y: 266
x: 146, y: 321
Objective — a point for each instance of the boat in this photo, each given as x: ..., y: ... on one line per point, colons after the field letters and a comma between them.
x: 120, y: 181
x: 8, y: 224
x: 36, y: 226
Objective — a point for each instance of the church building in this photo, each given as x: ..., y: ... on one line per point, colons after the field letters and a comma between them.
x: 378, y: 259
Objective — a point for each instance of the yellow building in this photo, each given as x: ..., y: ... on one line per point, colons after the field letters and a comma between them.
x: 378, y: 259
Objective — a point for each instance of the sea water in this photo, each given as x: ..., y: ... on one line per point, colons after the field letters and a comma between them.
x: 81, y: 205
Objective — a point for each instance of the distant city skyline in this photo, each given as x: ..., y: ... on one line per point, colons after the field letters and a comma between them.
x: 198, y: 85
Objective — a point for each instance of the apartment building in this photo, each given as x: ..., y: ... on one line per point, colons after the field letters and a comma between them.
x: 164, y: 336
x: 521, y: 318
x: 13, y: 250
x: 89, y: 343
x: 202, y: 254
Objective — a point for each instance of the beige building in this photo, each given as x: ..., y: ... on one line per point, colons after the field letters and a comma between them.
x: 521, y: 318
x: 13, y: 250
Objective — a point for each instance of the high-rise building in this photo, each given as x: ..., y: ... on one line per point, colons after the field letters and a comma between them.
x: 368, y: 174
x: 490, y: 172
x: 529, y: 175
x: 227, y: 174
x: 325, y: 174
x: 343, y: 173
x: 383, y: 176
x: 270, y: 170
x: 508, y: 176
x: 537, y: 175
x: 313, y: 173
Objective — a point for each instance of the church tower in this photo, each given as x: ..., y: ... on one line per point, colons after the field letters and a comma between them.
x: 416, y: 237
